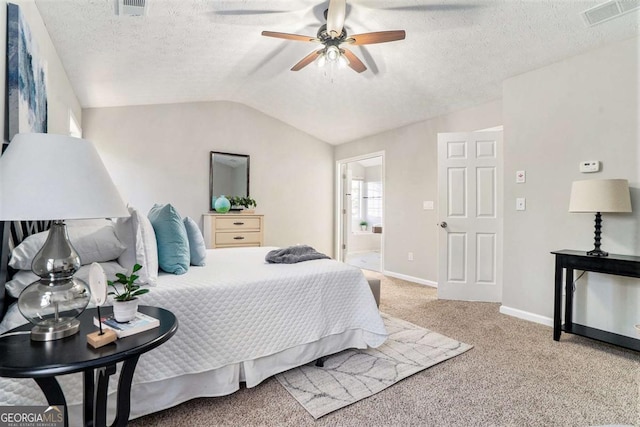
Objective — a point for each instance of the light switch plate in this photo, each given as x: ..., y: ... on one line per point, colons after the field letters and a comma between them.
x: 427, y: 205
x: 589, y: 166
x: 521, y: 204
x: 521, y: 177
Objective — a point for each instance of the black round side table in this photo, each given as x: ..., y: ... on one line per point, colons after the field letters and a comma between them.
x: 44, y: 360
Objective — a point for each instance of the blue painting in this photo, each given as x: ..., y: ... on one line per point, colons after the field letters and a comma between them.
x: 26, y: 78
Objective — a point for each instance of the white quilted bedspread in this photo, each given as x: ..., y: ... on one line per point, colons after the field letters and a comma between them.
x: 235, y: 309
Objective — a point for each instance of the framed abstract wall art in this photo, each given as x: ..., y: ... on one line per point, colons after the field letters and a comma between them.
x: 26, y: 78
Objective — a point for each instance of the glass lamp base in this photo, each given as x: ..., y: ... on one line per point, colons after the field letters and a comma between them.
x: 55, y: 332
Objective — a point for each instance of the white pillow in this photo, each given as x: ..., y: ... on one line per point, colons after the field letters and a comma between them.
x: 93, y: 244
x: 124, y: 231
x: 137, y: 233
x: 24, y: 278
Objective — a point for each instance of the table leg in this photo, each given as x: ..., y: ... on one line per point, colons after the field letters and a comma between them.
x: 88, y: 397
x: 53, y: 393
x: 100, y: 397
x: 568, y: 305
x: 557, y: 300
x: 124, y: 392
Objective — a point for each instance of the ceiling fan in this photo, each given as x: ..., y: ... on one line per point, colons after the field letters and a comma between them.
x: 334, y: 37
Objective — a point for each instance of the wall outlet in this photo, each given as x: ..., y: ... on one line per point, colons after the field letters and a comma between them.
x: 521, y: 177
x: 521, y: 204
x: 410, y: 256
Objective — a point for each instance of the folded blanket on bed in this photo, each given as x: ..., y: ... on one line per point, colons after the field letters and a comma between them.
x: 293, y: 254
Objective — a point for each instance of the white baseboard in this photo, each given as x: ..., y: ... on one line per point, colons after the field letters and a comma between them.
x: 410, y: 278
x: 531, y: 317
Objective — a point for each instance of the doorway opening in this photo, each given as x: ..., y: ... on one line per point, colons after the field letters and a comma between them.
x: 361, y: 211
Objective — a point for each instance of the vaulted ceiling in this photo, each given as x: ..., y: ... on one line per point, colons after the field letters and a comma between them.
x: 456, y: 54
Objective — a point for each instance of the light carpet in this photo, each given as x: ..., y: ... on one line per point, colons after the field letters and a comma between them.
x: 352, y: 375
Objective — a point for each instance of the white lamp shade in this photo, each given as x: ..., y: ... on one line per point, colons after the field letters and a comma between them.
x: 50, y: 177
x: 600, y: 195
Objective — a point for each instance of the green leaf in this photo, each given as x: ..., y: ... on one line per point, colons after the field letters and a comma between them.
x: 121, y: 276
x: 140, y: 292
x: 136, y: 267
x: 133, y: 278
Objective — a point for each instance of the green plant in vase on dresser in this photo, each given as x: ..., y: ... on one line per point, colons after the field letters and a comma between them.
x: 125, y: 304
x: 244, y: 203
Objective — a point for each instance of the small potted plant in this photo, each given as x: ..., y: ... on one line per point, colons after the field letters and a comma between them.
x: 243, y: 203
x: 125, y: 291
x: 363, y: 225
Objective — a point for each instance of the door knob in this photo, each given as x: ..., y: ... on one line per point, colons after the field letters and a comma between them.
x: 443, y: 224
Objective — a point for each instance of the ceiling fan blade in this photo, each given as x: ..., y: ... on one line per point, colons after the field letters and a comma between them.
x: 241, y: 12
x: 335, y: 17
x: 377, y: 37
x: 413, y: 7
x: 287, y: 36
x: 307, y: 60
x: 354, y: 62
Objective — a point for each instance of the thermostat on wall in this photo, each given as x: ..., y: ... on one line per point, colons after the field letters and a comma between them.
x: 589, y: 166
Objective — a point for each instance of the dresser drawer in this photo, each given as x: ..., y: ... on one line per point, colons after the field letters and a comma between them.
x: 233, y: 230
x: 244, y: 238
x: 237, y: 223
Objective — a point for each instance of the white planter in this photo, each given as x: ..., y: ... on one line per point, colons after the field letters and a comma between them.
x: 124, y: 311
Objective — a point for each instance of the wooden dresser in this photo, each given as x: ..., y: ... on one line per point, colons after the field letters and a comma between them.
x: 232, y: 230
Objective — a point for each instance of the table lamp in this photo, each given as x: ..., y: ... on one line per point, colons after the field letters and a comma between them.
x: 55, y: 177
x: 600, y: 195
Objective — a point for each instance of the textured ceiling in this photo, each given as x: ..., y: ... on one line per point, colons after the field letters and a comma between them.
x: 456, y: 55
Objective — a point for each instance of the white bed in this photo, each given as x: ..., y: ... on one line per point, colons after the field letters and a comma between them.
x: 240, y: 320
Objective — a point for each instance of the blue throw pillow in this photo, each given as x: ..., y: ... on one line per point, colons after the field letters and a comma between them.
x: 197, y: 247
x: 171, y: 235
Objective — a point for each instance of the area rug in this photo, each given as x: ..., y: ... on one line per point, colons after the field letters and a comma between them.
x: 354, y: 374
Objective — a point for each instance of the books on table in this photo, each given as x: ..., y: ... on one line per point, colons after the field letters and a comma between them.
x: 141, y: 323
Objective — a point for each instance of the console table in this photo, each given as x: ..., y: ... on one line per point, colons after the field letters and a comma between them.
x: 569, y: 260
x: 44, y: 360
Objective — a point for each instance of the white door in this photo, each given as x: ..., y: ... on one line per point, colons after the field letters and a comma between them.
x: 470, y: 216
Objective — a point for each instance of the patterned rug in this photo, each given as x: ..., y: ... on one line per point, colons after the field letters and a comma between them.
x: 354, y: 374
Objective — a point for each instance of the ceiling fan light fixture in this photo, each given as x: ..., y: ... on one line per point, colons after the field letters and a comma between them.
x: 322, y: 60
x: 333, y: 53
x: 343, y: 62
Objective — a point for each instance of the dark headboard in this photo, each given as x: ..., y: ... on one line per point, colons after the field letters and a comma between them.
x: 12, y: 234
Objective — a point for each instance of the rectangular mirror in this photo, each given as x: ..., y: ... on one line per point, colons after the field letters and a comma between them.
x: 228, y: 176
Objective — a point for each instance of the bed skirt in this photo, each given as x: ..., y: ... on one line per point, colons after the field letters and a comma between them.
x: 164, y: 394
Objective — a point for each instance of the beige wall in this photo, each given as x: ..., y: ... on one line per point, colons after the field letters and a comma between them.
x: 582, y: 108
x: 160, y: 154
x: 60, y: 95
x: 411, y: 178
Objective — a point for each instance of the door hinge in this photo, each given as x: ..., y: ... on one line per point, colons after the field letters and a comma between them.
x: 344, y: 246
x: 344, y: 211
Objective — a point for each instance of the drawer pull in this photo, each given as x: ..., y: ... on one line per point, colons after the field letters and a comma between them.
x: 238, y: 223
x: 238, y: 238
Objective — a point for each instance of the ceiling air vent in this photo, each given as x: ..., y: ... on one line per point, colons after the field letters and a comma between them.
x: 132, y: 7
x: 609, y: 10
